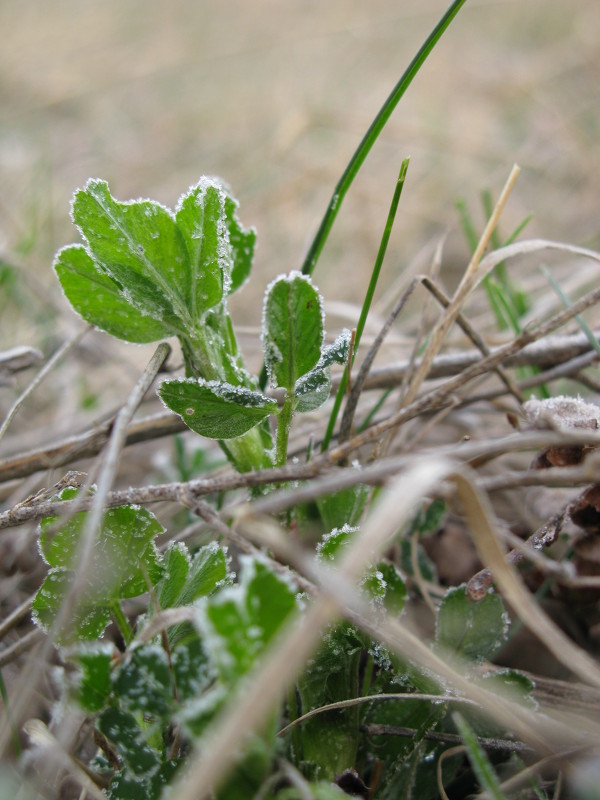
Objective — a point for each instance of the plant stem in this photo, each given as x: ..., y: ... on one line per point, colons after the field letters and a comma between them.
x: 284, y: 422
x: 122, y: 623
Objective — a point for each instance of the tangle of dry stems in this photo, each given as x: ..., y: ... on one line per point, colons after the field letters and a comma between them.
x: 407, y: 478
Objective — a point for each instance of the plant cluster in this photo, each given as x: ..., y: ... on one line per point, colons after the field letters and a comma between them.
x: 273, y: 655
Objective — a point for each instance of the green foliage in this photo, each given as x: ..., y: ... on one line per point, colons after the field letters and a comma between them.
x: 479, y: 761
x: 344, y: 507
x: 241, y: 622
x: 124, y: 560
x: 292, y: 329
x: 473, y: 630
x: 216, y: 410
x: 143, y: 273
x: 330, y: 740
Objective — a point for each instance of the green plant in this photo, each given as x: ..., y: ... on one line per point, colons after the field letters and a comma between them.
x: 363, y: 716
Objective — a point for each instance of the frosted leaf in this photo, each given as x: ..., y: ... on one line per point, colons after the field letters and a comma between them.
x: 216, y: 409
x: 292, y: 328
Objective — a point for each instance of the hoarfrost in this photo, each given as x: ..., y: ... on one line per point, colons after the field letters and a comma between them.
x: 562, y: 412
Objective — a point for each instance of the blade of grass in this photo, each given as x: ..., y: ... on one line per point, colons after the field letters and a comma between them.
x: 368, y: 300
x: 367, y: 420
x: 479, y: 761
x: 466, y: 224
x: 567, y: 304
x: 371, y: 135
x: 367, y: 142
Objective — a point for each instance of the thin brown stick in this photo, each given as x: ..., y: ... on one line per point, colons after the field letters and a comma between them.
x: 374, y: 698
x: 466, y: 285
x: 45, y: 370
x: 22, y: 645
x: 13, y: 619
x: 359, y: 382
x: 469, y: 331
x: 87, y: 444
x: 546, y: 535
x: 331, y: 479
x: 564, y: 355
x: 548, y: 353
x: 488, y: 743
x: 437, y: 398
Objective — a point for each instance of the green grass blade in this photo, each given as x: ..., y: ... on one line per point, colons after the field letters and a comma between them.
x: 479, y: 761
x: 367, y: 420
x: 466, y: 224
x: 567, y: 303
x: 368, y: 299
x: 518, y: 230
x: 371, y: 135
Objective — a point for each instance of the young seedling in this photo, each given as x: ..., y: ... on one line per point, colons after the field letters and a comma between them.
x: 145, y: 273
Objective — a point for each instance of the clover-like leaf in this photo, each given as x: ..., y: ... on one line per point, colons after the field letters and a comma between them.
x: 240, y: 621
x: 186, y: 579
x: 92, y: 686
x: 123, y: 560
x: 242, y: 242
x: 143, y: 682
x: 201, y: 219
x: 100, y: 301
x: 215, y: 409
x: 121, y: 728
x: 292, y: 329
x: 313, y: 388
x: 139, y: 246
x: 475, y: 630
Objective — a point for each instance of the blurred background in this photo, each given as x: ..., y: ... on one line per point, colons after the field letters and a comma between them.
x: 274, y: 97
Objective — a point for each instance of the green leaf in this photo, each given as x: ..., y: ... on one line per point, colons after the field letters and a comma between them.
x: 122, y: 730
x: 123, y: 559
x: 200, y: 218
x: 249, y: 773
x: 143, y: 682
x: 292, y: 329
x: 336, y: 352
x: 242, y: 241
x: 319, y: 791
x: 216, y: 410
x: 100, y: 301
x: 473, y: 630
x: 332, y: 544
x: 208, y: 572
x: 330, y: 740
x: 428, y: 519
x: 127, y: 786
x: 386, y: 587
x: 139, y: 246
x: 344, y: 507
x: 176, y: 565
x: 191, y: 671
x: 241, y: 620
x: 187, y: 579
x: 312, y: 390
x: 89, y: 619
x: 124, y: 553
x: 93, y: 684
